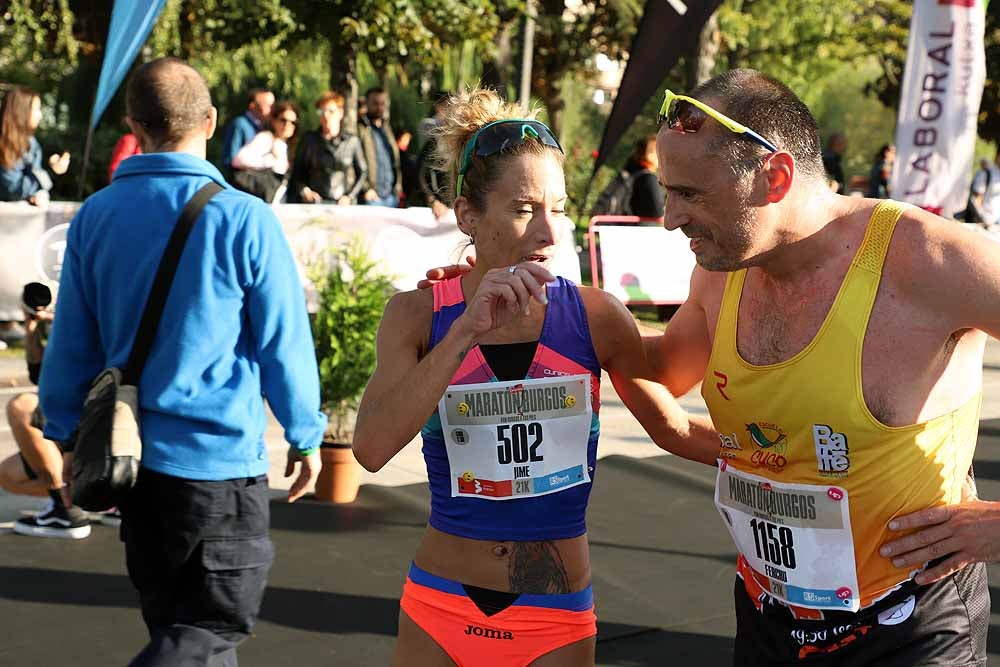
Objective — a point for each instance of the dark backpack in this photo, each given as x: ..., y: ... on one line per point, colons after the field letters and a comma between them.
x: 617, y: 197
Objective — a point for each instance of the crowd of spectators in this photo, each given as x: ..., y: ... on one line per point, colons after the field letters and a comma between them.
x: 268, y: 151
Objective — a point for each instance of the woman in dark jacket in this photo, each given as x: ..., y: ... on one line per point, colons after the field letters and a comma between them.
x: 22, y: 176
x: 647, y: 196
x: 878, y: 178
x: 329, y: 162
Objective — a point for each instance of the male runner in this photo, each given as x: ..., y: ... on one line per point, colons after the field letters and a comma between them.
x: 840, y: 344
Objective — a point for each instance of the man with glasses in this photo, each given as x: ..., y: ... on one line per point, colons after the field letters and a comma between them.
x: 844, y: 378
x: 330, y: 164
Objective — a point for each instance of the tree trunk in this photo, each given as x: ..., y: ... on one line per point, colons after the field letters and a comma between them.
x: 343, y: 79
x: 496, y: 72
x: 549, y: 63
x: 551, y: 95
x: 527, y: 58
x: 700, y: 63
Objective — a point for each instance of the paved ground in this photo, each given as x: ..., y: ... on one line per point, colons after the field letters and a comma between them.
x: 619, y: 435
x: 663, y: 563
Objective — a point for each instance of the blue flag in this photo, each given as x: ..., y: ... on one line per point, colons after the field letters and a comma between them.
x: 131, y: 22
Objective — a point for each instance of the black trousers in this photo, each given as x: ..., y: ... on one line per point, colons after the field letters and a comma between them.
x: 943, y: 624
x: 198, y: 553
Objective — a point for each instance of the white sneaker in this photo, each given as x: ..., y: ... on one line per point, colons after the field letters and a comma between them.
x: 113, y: 517
x: 55, y: 521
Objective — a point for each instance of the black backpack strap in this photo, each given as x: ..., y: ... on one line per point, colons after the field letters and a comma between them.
x: 161, y: 284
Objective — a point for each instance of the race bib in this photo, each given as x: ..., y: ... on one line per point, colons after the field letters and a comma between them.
x: 517, y: 439
x: 798, y: 536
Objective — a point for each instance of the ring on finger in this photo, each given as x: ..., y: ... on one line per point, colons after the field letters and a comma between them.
x: 512, y: 268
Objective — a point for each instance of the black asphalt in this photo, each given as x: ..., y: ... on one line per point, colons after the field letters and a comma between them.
x: 662, y: 564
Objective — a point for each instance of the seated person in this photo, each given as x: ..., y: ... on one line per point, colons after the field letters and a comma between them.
x: 37, y: 468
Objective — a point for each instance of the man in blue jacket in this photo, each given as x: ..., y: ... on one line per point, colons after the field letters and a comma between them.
x: 234, y: 328
x: 245, y: 127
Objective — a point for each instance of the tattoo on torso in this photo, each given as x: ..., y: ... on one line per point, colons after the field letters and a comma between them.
x: 537, y: 568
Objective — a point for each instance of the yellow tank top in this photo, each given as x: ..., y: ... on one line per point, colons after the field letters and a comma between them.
x: 805, y: 421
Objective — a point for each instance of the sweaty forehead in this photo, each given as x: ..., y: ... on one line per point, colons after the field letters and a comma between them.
x: 531, y: 177
x: 682, y: 147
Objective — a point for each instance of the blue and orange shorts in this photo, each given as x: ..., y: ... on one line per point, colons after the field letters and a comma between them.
x: 479, y: 627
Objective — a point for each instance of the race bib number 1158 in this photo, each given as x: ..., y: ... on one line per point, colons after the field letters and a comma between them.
x: 797, y: 535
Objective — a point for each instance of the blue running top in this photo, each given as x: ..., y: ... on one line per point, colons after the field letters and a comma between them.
x: 564, y: 348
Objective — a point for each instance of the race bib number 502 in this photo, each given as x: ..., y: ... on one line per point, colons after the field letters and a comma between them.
x: 517, y: 439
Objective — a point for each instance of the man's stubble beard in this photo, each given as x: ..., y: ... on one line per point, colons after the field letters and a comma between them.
x: 738, y: 243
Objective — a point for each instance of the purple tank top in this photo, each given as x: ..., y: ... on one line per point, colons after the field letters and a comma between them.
x: 564, y: 348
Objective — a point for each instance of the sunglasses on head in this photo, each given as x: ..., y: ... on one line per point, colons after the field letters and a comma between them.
x: 686, y: 114
x: 500, y: 135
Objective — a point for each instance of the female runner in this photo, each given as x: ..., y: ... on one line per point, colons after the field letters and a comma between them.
x: 500, y: 371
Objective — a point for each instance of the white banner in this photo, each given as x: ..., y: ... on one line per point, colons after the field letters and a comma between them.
x: 941, y: 93
x: 644, y: 265
x: 405, y: 242
x: 30, y: 252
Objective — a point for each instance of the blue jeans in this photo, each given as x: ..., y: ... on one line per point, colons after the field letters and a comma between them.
x: 198, y: 553
x: 392, y: 201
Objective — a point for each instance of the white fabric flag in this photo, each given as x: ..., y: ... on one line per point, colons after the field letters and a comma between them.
x: 942, y: 90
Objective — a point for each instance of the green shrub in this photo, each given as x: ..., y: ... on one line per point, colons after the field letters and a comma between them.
x: 353, y: 292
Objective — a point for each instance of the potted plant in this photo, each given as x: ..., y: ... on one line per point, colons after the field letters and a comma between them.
x: 352, y: 293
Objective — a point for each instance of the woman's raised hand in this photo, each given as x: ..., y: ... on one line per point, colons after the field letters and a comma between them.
x: 504, y: 294
x: 59, y: 164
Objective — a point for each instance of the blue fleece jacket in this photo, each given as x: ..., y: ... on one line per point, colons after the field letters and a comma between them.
x: 234, y: 325
x: 238, y: 134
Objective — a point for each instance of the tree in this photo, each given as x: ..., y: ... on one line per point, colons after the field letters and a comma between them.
x: 888, y: 86
x: 390, y: 33
x: 567, y: 38
x: 38, y: 41
x: 498, y: 65
x: 800, y: 41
